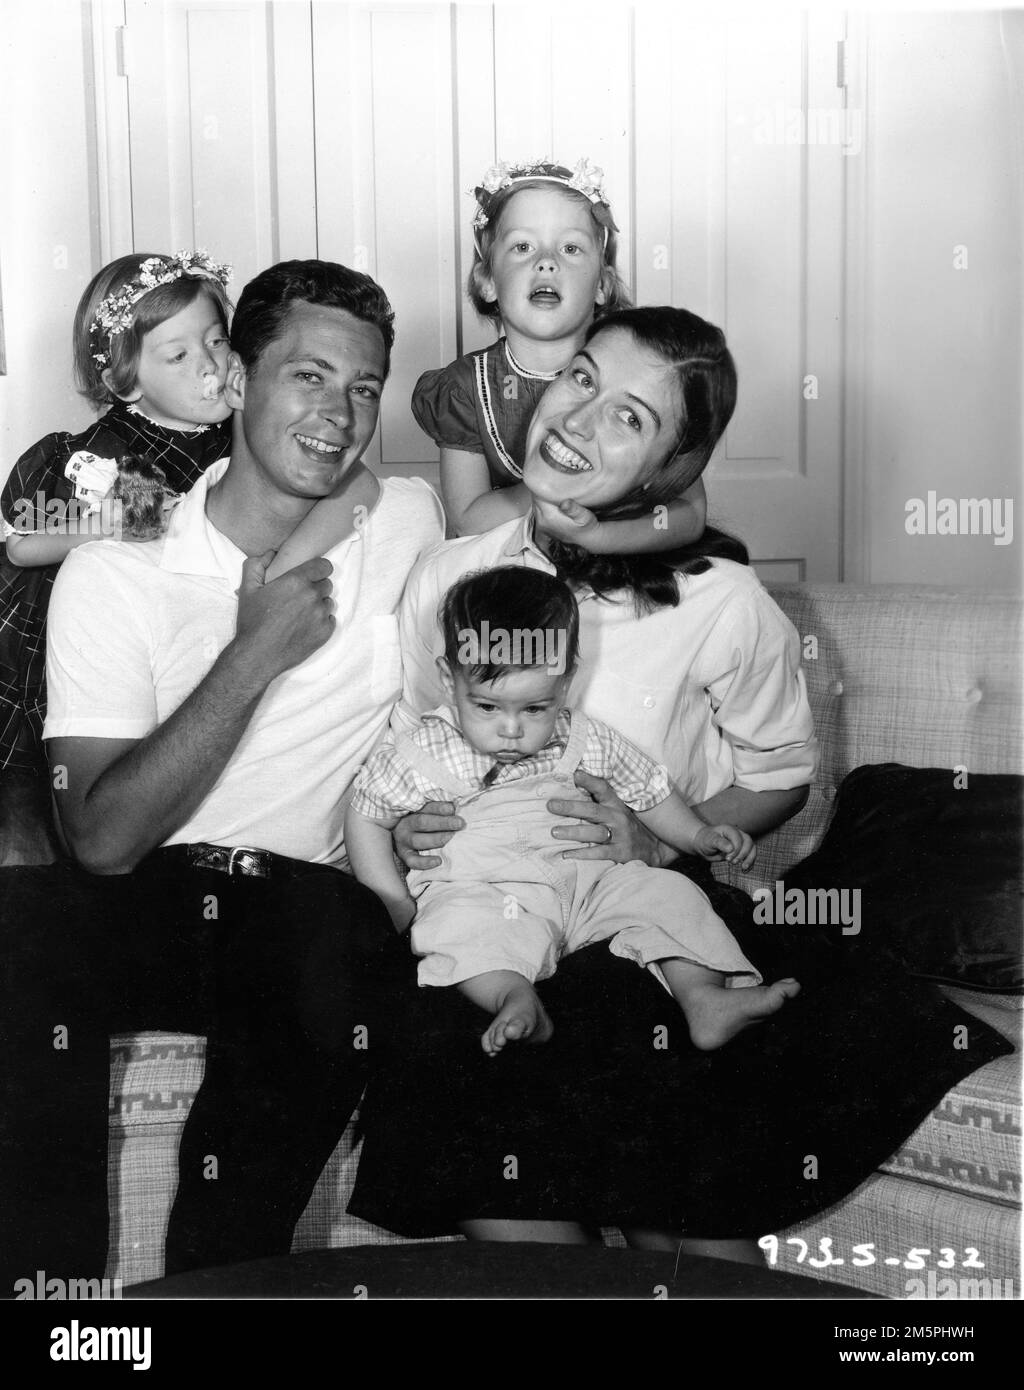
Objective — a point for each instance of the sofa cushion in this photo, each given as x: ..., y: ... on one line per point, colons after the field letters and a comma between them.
x: 898, y: 1220
x: 937, y: 858
x: 970, y: 1142
x: 154, y: 1078
x: 906, y: 673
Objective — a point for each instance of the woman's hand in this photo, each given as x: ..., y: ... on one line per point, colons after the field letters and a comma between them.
x: 725, y: 843
x: 610, y: 829
x: 432, y: 826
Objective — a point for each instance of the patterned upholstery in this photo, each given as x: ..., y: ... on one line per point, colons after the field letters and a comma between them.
x: 153, y: 1079
x: 926, y: 677
x: 971, y: 1142
x: 897, y: 1217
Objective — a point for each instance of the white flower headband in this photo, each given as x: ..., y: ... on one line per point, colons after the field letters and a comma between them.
x: 585, y: 178
x: 115, y: 313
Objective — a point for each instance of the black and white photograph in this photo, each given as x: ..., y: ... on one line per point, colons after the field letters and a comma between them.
x: 510, y: 668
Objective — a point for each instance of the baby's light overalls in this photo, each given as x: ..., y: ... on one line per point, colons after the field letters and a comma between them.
x: 504, y: 898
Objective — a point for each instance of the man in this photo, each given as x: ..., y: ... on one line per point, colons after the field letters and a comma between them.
x: 204, y: 726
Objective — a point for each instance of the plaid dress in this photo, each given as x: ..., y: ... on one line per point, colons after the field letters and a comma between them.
x: 36, y: 479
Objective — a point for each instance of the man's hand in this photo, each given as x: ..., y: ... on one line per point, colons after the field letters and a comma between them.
x: 126, y: 796
x: 282, y: 622
x: 432, y: 826
x: 611, y: 831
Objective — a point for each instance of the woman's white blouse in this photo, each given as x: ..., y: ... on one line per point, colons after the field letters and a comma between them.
x: 711, y: 688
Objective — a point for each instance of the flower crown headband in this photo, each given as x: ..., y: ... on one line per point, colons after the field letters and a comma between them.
x: 585, y: 178
x: 115, y: 313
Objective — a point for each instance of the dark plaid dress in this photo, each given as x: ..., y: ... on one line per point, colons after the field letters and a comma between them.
x: 37, y: 478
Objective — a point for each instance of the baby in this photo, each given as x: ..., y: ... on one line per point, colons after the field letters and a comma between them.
x: 506, y: 903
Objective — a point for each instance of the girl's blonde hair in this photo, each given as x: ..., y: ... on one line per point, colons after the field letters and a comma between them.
x: 616, y: 296
x: 122, y: 350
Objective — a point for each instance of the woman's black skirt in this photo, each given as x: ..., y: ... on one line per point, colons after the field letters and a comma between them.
x: 619, y: 1121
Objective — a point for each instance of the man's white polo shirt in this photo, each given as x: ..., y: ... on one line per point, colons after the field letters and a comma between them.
x: 134, y: 628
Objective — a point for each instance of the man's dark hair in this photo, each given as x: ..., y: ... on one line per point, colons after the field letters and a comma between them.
x: 509, y: 599
x: 266, y: 301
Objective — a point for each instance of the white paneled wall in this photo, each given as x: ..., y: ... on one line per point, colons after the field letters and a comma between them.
x: 749, y: 185
x: 411, y: 227
x: 47, y: 216
x: 937, y: 292
x: 740, y: 219
x: 354, y: 132
x: 201, y: 128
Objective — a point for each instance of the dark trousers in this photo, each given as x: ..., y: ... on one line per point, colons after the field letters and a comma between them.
x: 287, y: 977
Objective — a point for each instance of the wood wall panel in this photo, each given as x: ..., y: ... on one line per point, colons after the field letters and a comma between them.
x: 739, y: 218
x: 355, y: 132
x: 293, y: 127
x: 229, y: 122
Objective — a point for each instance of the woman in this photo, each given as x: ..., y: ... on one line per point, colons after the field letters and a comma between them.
x: 618, y: 1119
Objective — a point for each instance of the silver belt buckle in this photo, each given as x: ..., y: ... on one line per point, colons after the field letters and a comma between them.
x: 257, y: 866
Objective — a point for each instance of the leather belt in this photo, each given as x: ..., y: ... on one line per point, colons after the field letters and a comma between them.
x: 237, y: 859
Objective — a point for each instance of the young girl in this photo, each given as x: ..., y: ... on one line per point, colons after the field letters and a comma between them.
x: 506, y: 904
x: 544, y: 266
x: 150, y: 341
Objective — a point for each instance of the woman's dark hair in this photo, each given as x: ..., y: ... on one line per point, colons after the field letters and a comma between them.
x: 526, y: 605
x: 706, y: 381
x: 266, y: 301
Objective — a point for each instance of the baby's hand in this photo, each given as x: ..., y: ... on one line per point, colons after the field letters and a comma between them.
x: 725, y: 842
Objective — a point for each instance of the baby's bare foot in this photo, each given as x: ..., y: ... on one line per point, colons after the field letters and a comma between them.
x: 521, y: 1018
x: 715, y: 1014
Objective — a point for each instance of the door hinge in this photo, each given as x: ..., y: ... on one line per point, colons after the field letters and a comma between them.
x: 841, y: 64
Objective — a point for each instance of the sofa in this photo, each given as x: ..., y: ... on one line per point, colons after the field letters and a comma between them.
x: 926, y: 677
